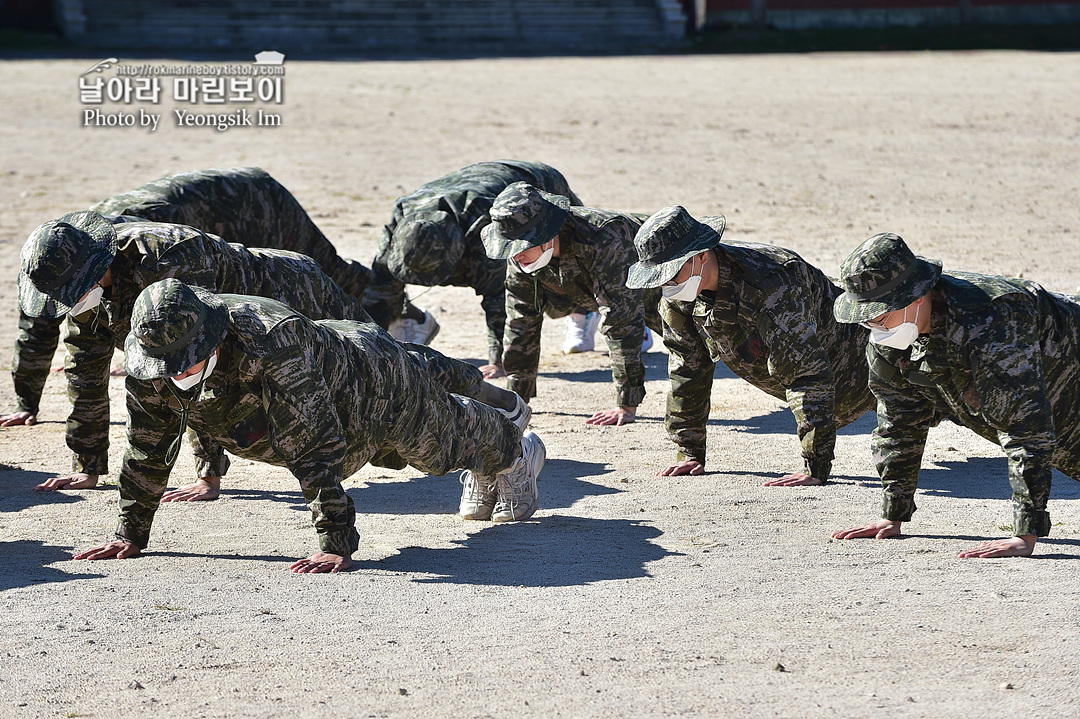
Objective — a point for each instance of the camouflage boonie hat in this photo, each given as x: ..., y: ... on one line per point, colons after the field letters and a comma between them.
x: 882, y: 275
x: 523, y: 217
x: 62, y: 260
x: 426, y: 248
x: 173, y: 328
x: 666, y: 241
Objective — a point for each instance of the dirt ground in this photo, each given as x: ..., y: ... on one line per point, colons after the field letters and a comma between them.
x: 627, y: 594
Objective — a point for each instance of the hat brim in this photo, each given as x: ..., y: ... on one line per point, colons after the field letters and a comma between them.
x: 501, y: 247
x: 649, y: 273
x: 100, y: 254
x: 143, y: 366
x: 848, y: 308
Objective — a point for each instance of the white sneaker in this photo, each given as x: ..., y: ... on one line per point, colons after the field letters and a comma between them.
x: 647, y: 344
x: 581, y: 332
x: 477, y: 497
x: 520, y: 414
x: 517, y: 497
x: 404, y: 329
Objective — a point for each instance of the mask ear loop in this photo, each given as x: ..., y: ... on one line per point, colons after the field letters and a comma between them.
x: 916, y: 320
x: 174, y: 449
x: 96, y: 322
x: 97, y: 311
x: 699, y: 272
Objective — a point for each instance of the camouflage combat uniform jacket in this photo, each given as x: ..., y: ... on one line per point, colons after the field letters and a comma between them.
x: 243, y: 205
x: 148, y: 252
x: 320, y: 398
x: 595, y: 249
x: 771, y: 323
x: 1001, y: 359
x: 467, y: 194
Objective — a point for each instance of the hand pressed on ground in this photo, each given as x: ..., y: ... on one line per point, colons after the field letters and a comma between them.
x: 1021, y: 546
x: 618, y: 416
x: 881, y: 529
x: 492, y: 371
x: 203, y: 489
x: 77, y: 480
x: 120, y: 549
x: 321, y: 562
x: 16, y: 418
x: 795, y: 479
x: 687, y: 466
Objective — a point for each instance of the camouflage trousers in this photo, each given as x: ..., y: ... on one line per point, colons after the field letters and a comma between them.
x: 454, y: 376
x: 434, y: 425
x: 34, y: 350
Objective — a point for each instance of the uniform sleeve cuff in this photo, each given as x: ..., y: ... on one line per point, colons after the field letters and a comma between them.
x: 818, y: 470
x: 212, y: 466
x: 21, y: 406
x: 897, y: 509
x: 94, y: 463
x: 342, y: 542
x: 136, y: 537
x: 1031, y: 521
x: 696, y: 455
x: 524, y: 386
x: 630, y: 396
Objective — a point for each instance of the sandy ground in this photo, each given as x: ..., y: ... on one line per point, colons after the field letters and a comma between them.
x: 627, y: 594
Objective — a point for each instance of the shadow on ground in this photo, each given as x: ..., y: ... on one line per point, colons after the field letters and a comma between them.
x: 274, y: 558
x: 983, y: 478
x: 295, y: 499
x: 655, y: 364
x: 1043, y: 550
x: 556, y: 551
x: 17, y: 490
x: 765, y: 476
x: 560, y: 485
x: 782, y: 421
x: 26, y: 563
x: 1045, y: 546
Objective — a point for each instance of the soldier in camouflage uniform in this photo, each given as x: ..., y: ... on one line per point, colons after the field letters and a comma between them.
x: 83, y: 252
x: 434, y: 239
x: 320, y: 398
x: 561, y: 258
x: 243, y: 205
x: 764, y: 312
x: 997, y: 355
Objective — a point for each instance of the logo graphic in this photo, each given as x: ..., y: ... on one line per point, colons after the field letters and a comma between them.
x: 269, y: 57
x: 103, y: 65
x: 231, y: 88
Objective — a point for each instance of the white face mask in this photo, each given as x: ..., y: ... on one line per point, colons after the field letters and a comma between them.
x: 685, y: 291
x: 186, y: 383
x: 900, y: 337
x: 92, y: 300
x: 541, y: 261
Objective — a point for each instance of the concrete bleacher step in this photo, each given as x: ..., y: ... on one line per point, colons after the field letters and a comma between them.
x: 341, y: 25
